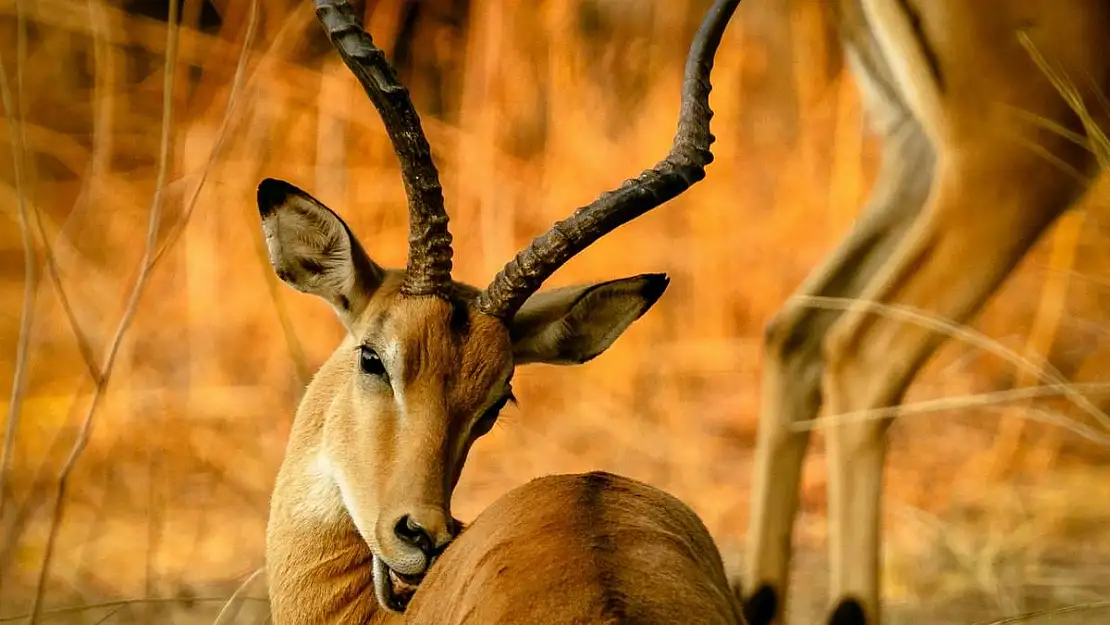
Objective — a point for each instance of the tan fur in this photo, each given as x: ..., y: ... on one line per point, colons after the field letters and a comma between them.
x: 966, y: 186
x: 585, y: 548
x: 371, y: 449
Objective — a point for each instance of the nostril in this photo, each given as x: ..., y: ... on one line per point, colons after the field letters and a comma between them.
x: 412, y: 533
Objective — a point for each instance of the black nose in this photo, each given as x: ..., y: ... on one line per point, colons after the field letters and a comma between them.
x: 411, y: 533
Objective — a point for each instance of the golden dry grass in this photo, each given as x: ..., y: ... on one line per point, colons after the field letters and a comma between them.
x: 538, y: 112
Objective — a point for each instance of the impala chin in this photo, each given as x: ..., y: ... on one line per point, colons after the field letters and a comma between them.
x: 393, y: 590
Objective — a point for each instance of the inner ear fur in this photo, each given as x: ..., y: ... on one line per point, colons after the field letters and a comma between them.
x: 573, y: 325
x: 313, y: 250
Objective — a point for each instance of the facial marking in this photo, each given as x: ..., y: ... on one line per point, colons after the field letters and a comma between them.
x: 377, y: 324
x: 431, y: 352
x: 362, y: 524
x: 342, y: 499
x: 393, y: 357
x: 322, y: 500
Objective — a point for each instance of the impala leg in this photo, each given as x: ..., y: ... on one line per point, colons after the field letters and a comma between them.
x: 988, y: 206
x: 793, y: 366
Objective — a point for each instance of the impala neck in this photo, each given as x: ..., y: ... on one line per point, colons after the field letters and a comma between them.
x: 318, y: 566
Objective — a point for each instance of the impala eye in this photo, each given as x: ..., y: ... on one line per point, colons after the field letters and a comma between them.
x: 369, y: 362
x: 485, y: 423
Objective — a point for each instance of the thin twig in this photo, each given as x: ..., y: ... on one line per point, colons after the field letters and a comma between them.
x: 75, y: 609
x: 1096, y: 605
x: 50, y: 265
x: 39, y: 481
x: 129, y: 310
x: 1043, y: 370
x: 231, y: 608
x: 232, y: 102
x: 14, y: 120
x: 1049, y: 417
x: 99, y: 165
x: 979, y: 400
x: 109, y: 615
x: 259, y: 130
x: 155, y: 449
x: 103, y: 516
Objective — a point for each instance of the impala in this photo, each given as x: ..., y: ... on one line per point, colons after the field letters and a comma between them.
x: 361, y: 505
x: 981, y: 154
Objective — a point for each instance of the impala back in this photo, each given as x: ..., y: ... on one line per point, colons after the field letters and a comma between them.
x: 583, y: 548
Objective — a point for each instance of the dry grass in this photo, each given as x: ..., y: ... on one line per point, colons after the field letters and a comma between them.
x: 538, y: 113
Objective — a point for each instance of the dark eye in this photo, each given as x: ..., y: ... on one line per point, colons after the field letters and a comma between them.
x: 369, y: 362
x: 485, y: 423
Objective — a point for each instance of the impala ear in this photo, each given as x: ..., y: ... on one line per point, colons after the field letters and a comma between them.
x: 572, y: 325
x: 313, y: 250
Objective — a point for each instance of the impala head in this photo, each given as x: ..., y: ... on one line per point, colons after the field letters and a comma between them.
x: 428, y: 362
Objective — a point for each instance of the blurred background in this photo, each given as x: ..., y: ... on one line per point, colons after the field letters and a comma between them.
x: 146, y: 410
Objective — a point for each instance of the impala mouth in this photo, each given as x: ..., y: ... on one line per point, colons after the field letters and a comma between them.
x: 393, y: 590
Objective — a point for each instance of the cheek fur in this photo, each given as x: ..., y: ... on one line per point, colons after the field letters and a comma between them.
x: 359, y: 443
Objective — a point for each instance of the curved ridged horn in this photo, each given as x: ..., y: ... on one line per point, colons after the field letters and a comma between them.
x: 683, y: 166
x: 429, y: 261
